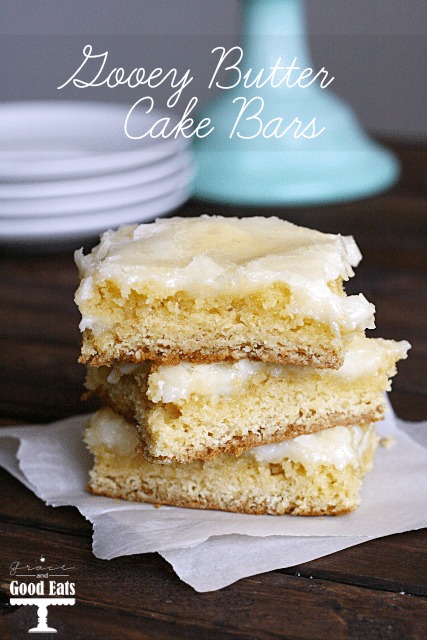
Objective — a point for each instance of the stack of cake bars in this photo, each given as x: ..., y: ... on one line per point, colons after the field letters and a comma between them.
x: 233, y: 369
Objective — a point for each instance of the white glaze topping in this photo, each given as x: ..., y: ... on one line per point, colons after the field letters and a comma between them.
x: 107, y: 428
x: 216, y: 255
x: 364, y: 357
x: 338, y: 446
x: 179, y: 382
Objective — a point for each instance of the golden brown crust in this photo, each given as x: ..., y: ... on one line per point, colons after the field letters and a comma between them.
x: 252, y: 509
x: 325, y: 360
x: 257, y: 510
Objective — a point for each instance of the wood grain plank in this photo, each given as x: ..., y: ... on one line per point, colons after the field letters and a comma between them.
x: 20, y: 506
x: 43, y: 382
x: 29, y: 322
x: 85, y: 622
x: 270, y: 605
x: 396, y: 563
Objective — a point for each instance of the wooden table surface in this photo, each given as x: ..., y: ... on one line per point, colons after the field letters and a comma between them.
x: 375, y: 590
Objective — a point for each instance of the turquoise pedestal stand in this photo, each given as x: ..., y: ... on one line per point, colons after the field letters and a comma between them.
x: 342, y: 163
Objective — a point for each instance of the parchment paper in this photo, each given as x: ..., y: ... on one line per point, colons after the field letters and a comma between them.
x: 210, y: 549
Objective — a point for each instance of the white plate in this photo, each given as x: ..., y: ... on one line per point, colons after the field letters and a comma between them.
x: 43, y: 230
x: 106, y: 182
x: 92, y: 202
x: 42, y: 140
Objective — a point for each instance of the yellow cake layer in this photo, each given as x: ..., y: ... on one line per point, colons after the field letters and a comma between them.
x: 211, y: 289
x: 299, y: 481
x: 189, y: 412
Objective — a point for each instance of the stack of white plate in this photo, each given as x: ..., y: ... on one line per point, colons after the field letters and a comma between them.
x: 68, y: 171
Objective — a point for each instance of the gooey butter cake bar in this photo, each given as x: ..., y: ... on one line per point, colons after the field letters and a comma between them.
x: 234, y: 367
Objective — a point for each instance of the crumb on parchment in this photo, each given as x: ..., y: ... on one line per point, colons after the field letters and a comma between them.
x: 388, y: 442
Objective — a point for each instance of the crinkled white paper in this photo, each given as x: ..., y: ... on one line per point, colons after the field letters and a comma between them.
x: 210, y: 549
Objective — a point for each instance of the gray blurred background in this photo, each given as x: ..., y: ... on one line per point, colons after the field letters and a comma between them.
x: 376, y: 49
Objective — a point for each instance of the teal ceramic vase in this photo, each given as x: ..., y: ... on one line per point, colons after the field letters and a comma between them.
x: 259, y: 166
